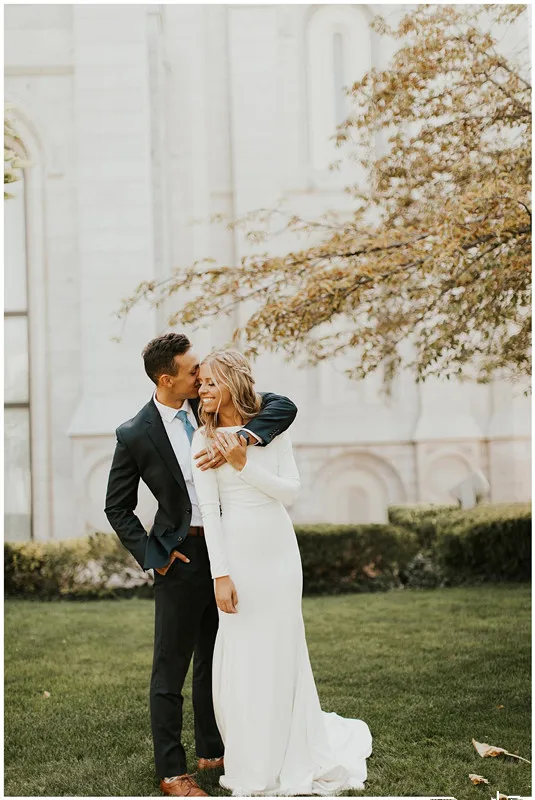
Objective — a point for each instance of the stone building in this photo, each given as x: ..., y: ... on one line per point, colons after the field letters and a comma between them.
x: 140, y: 122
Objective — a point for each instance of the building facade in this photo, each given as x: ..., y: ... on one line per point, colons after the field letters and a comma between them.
x: 140, y: 122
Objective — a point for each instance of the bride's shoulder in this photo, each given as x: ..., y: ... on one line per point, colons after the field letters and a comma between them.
x: 282, y: 440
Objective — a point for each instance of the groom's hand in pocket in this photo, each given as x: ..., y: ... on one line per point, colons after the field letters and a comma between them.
x: 226, y: 596
x: 175, y: 554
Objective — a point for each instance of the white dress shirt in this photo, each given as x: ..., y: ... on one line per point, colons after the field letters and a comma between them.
x: 182, y: 448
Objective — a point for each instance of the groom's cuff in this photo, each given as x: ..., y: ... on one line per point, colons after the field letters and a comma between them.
x: 254, y: 436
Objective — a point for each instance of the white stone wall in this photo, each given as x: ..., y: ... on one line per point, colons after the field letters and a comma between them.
x: 141, y: 120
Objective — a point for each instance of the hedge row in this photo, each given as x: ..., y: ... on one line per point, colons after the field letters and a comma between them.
x: 353, y: 558
x: 491, y: 542
x: 335, y: 559
x: 90, y: 567
x: 420, y: 546
x: 487, y: 543
x: 421, y: 520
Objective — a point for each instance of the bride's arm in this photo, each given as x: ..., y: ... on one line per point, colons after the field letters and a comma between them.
x: 285, y: 484
x: 208, y: 496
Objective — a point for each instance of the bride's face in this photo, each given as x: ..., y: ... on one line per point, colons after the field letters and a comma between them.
x: 213, y: 397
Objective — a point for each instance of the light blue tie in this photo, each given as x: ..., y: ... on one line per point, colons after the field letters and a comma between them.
x: 183, y: 417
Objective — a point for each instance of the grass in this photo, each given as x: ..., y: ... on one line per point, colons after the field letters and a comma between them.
x: 426, y: 669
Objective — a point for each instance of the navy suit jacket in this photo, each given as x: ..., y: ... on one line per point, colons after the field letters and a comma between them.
x: 143, y: 452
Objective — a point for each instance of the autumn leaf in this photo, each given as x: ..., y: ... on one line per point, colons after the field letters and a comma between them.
x: 46, y: 695
x: 490, y: 750
x: 477, y: 778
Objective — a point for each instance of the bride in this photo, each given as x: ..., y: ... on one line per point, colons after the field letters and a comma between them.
x: 277, y: 739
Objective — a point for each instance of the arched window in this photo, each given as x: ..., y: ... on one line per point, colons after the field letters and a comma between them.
x: 17, y: 412
x: 338, y: 54
x: 28, y: 501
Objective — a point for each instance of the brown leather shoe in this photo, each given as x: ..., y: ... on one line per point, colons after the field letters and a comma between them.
x: 182, y: 786
x: 211, y: 763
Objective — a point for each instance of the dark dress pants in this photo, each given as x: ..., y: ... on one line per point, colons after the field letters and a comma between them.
x: 186, y: 621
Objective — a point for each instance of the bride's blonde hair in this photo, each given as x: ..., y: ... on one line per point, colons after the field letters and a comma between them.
x: 231, y: 369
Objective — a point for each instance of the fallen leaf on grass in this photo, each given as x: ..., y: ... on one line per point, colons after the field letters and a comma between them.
x: 500, y: 706
x: 490, y: 750
x: 477, y: 778
x: 46, y: 695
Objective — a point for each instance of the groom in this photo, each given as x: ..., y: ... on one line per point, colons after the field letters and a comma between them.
x: 155, y: 446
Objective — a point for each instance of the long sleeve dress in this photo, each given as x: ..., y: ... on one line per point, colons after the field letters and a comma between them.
x: 277, y: 739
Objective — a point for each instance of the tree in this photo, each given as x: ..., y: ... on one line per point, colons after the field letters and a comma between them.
x: 13, y: 146
x: 445, y: 260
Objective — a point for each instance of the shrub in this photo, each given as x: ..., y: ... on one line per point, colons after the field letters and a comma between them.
x: 421, y: 520
x: 94, y: 566
x: 488, y: 542
x: 336, y: 558
x: 446, y: 546
x: 353, y: 558
x: 422, y: 572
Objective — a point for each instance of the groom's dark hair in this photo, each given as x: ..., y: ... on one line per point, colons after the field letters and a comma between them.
x: 159, y: 354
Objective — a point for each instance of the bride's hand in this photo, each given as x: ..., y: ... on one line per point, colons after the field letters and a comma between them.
x: 233, y: 447
x: 205, y: 460
x: 226, y: 596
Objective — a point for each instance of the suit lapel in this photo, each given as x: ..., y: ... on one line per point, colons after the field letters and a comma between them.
x: 157, y: 433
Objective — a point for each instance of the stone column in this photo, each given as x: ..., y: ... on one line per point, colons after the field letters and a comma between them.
x: 198, y: 157
x: 115, y: 235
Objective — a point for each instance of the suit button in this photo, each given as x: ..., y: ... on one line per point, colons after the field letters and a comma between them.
x: 188, y: 510
x: 180, y: 539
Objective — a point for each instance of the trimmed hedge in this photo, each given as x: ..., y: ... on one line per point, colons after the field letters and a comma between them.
x: 428, y: 546
x: 336, y: 558
x: 96, y: 566
x: 421, y: 520
x: 490, y: 542
x: 486, y: 543
x: 353, y: 558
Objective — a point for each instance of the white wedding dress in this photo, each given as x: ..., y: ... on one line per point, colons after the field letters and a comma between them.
x: 277, y: 739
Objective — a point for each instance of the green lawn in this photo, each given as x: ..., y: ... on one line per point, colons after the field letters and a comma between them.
x: 425, y: 669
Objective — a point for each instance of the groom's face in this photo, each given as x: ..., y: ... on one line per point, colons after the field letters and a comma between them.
x: 185, y: 384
